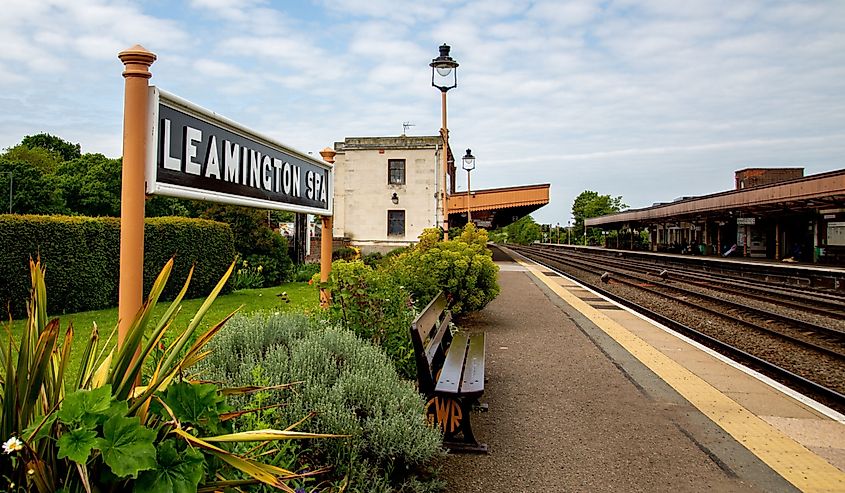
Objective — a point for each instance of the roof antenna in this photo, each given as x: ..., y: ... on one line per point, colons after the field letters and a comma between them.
x: 406, y: 126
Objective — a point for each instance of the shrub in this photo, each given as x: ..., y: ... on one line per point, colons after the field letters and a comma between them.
x: 372, y: 259
x: 462, y: 267
x: 346, y: 253
x: 304, y: 272
x: 350, y: 386
x: 396, y: 252
x: 208, y: 244
x: 106, y: 433
x: 275, y: 269
x: 371, y: 303
x: 247, y: 276
x: 82, y: 256
x: 255, y: 241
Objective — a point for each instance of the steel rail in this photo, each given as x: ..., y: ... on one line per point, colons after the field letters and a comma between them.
x: 786, y: 289
x: 751, y: 325
x: 825, y: 306
x: 752, y: 311
x: 733, y: 352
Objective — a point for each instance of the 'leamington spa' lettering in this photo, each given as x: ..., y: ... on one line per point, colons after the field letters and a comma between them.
x: 237, y: 164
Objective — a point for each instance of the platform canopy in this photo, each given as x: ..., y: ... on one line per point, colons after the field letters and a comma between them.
x: 497, y: 207
x: 812, y: 193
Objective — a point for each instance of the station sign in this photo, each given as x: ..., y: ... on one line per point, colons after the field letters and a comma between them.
x: 198, y: 154
x: 745, y: 221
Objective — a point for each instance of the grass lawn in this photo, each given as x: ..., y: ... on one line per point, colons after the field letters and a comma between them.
x: 300, y: 297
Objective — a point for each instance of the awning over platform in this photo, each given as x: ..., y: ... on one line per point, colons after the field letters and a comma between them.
x: 497, y: 207
x: 820, y: 191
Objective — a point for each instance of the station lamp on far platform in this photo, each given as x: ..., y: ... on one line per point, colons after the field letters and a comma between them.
x: 444, y: 76
x: 468, y: 162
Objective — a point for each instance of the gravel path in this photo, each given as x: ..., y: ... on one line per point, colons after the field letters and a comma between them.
x: 563, y: 417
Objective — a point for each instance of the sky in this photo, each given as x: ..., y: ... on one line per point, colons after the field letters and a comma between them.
x: 645, y: 99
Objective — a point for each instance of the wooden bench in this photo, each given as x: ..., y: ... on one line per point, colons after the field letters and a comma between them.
x: 450, y: 372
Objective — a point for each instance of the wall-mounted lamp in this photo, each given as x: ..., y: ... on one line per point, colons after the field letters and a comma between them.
x: 394, y: 198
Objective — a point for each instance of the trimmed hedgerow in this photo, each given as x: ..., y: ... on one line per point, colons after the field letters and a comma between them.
x: 349, y: 384
x: 82, y: 256
x: 209, y: 244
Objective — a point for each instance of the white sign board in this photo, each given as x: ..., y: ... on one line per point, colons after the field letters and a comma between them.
x: 745, y: 221
x: 836, y: 233
x: 197, y: 154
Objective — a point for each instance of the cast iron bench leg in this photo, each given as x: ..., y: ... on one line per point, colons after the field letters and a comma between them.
x: 452, y: 415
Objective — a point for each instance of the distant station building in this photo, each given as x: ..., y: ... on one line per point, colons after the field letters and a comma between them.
x: 773, y: 213
x: 387, y: 191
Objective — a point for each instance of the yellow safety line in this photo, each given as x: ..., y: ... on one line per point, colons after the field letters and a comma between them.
x: 798, y: 465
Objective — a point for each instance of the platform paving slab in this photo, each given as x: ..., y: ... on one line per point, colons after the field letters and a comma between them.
x: 566, y: 416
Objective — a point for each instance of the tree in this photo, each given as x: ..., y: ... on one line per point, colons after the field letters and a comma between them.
x: 255, y: 241
x: 44, y: 160
x: 522, y: 232
x: 33, y: 192
x: 590, y: 204
x: 90, y: 185
x: 63, y: 148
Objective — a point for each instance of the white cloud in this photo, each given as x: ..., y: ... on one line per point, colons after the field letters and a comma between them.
x: 649, y: 99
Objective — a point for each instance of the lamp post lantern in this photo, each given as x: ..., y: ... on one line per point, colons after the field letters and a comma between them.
x: 568, y: 232
x: 468, y: 162
x: 444, y: 76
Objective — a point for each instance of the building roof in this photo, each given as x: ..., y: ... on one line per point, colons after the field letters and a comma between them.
x: 500, y: 198
x: 398, y: 142
x: 820, y: 191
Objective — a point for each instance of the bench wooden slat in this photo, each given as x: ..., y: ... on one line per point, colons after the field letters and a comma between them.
x: 472, y: 383
x: 442, y: 335
x: 426, y: 320
x: 450, y: 374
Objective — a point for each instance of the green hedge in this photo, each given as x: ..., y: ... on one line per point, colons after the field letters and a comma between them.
x: 82, y: 258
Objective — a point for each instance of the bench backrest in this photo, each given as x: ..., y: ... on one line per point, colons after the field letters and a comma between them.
x: 431, y: 337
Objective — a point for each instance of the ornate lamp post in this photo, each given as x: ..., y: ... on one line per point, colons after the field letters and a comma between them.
x: 468, y: 162
x: 444, y: 76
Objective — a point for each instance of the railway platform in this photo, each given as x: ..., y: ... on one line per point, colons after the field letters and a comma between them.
x: 584, y: 395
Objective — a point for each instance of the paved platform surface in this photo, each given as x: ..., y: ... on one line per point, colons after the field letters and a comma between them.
x: 572, y: 409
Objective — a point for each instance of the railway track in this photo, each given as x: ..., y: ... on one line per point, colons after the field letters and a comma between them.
x: 803, y: 298
x: 806, y: 355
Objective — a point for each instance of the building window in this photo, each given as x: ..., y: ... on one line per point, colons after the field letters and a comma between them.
x: 396, y: 171
x: 395, y: 223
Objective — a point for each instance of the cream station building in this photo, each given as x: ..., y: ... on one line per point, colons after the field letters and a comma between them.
x: 386, y: 190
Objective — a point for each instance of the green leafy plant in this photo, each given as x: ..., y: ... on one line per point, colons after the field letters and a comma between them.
x: 109, y: 433
x: 372, y: 304
x: 462, y: 267
x: 304, y: 272
x: 248, y: 276
x: 346, y: 253
x: 372, y: 259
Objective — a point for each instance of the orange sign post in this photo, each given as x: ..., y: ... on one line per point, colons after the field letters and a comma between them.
x: 326, y: 237
x: 176, y: 148
x: 136, y: 61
